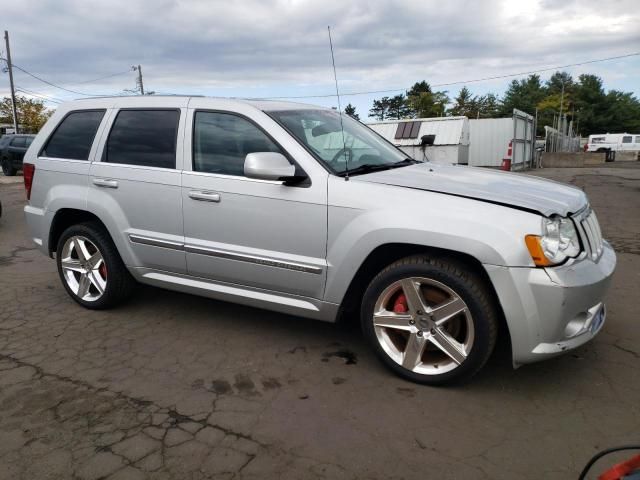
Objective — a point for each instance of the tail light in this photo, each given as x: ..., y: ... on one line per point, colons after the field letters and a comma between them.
x: 28, y: 171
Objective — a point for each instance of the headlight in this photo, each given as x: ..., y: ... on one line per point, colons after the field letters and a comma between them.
x: 558, y: 242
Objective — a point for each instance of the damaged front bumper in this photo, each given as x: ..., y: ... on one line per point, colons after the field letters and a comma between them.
x: 552, y: 310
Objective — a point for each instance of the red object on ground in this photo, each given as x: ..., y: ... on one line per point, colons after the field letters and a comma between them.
x: 506, y: 164
x: 621, y: 469
x: 400, y: 305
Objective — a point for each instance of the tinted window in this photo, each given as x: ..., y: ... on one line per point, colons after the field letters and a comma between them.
x: 18, y: 142
x: 74, y: 136
x: 29, y: 141
x: 637, y: 139
x: 144, y: 137
x: 626, y: 139
x: 221, y: 141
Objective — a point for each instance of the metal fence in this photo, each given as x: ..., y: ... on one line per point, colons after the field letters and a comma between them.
x: 561, y: 137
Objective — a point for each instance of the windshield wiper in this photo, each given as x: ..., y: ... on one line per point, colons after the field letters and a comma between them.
x: 370, y: 167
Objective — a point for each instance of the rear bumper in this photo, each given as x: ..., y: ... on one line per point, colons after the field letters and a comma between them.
x: 36, y: 220
x: 550, y: 311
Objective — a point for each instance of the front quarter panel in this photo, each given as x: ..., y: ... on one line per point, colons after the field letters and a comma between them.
x: 364, y: 216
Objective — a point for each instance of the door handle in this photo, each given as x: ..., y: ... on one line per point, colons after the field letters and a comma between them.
x: 204, y: 196
x: 103, y: 182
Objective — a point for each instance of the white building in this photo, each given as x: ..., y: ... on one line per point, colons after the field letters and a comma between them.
x: 451, y: 143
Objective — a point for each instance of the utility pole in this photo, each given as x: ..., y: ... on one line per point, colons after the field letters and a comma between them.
x: 140, y: 80
x: 13, y: 91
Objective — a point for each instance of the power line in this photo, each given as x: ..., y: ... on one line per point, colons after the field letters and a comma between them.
x: 39, y: 95
x: 102, y: 78
x: 496, y: 77
x: 57, y: 86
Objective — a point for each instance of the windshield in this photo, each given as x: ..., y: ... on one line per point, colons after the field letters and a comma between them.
x: 320, y: 132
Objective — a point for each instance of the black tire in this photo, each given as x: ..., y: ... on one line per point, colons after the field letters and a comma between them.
x: 7, y: 169
x: 470, y: 286
x: 120, y: 283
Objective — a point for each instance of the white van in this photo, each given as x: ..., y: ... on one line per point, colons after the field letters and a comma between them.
x: 615, y: 142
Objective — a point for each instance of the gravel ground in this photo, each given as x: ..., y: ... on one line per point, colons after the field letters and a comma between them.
x: 176, y: 386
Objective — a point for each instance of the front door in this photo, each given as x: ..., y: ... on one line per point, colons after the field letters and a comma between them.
x: 248, y: 232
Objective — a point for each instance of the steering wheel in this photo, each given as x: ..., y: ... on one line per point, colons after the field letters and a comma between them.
x: 342, y: 152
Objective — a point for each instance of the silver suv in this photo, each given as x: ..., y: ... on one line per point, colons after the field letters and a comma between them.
x: 272, y: 205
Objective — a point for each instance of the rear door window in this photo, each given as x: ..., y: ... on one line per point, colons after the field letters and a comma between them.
x: 143, y: 137
x: 626, y: 139
x: 73, y: 137
x: 18, y: 142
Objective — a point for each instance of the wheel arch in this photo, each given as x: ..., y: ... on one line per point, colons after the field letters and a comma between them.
x: 63, y: 219
x: 387, y: 253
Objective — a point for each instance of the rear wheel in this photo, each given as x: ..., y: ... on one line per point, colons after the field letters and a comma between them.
x: 8, y: 169
x: 430, y: 320
x: 90, y: 267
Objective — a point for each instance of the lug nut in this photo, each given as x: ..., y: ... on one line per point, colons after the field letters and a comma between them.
x: 433, y: 331
x: 419, y: 333
x: 419, y: 312
x: 412, y: 322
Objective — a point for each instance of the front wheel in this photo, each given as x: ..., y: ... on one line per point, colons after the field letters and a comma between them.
x: 430, y: 320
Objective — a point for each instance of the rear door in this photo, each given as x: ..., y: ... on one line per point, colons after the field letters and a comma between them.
x: 135, y: 183
x: 242, y: 231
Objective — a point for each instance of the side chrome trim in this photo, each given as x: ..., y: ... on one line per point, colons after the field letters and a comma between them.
x: 155, y: 242
x: 212, y: 252
x: 299, y: 267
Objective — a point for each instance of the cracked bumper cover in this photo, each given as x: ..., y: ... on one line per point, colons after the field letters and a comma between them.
x: 553, y: 310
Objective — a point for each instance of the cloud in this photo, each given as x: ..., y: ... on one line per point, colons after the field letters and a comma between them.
x: 273, y: 47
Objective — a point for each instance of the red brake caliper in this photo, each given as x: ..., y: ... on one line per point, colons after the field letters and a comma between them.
x: 103, y: 270
x: 400, y: 304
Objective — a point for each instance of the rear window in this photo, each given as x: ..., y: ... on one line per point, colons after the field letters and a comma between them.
x: 73, y: 137
x: 597, y: 140
x: 144, y: 137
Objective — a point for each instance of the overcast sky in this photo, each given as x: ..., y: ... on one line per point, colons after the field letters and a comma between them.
x: 280, y: 48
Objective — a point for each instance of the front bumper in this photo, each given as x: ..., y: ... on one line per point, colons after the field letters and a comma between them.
x: 553, y: 310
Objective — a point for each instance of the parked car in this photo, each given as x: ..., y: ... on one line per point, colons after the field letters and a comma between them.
x: 12, y: 150
x: 613, y: 142
x: 262, y: 203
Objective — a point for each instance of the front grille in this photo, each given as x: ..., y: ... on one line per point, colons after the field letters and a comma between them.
x: 591, y: 234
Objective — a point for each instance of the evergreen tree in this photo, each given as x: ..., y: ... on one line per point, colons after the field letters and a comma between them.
x: 351, y: 111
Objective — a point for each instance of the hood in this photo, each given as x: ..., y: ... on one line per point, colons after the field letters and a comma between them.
x: 524, y: 192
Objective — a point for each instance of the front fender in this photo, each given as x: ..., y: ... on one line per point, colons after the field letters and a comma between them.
x: 492, y: 234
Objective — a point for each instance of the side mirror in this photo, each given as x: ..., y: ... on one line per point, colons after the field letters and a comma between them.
x: 268, y: 166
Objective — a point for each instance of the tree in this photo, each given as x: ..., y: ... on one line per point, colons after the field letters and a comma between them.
x: 524, y: 95
x: 32, y: 114
x: 397, y: 107
x: 380, y: 109
x: 590, y: 104
x: 422, y: 102
x: 351, y: 111
x: 464, y: 104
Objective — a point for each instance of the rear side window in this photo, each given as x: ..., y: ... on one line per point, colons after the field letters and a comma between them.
x: 626, y: 139
x: 73, y: 137
x: 28, y: 141
x: 144, y: 137
x: 221, y: 141
x: 18, y: 142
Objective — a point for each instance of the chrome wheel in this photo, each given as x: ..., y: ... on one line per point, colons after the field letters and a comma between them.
x: 83, y: 268
x: 423, y: 325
